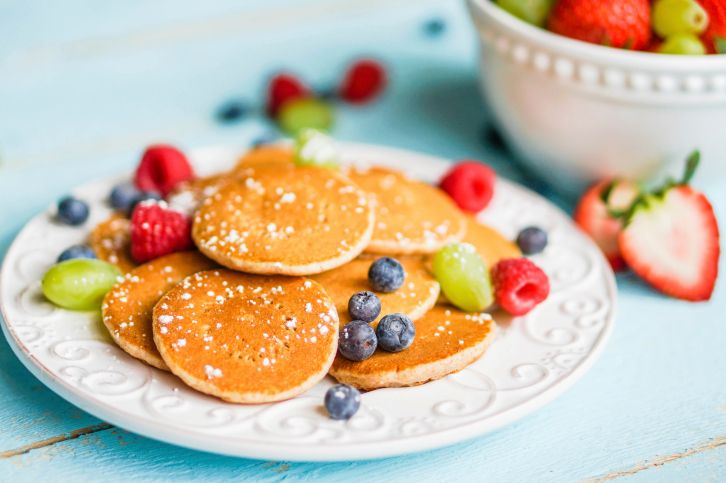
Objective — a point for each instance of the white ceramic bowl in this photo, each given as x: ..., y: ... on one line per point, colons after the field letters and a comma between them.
x: 577, y: 112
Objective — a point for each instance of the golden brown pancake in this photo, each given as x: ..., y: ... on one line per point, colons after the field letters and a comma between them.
x: 411, y: 217
x: 247, y: 338
x: 285, y: 220
x: 129, y: 305
x: 265, y: 155
x: 111, y: 242
x: 188, y: 196
x: 447, y: 340
x: 489, y: 243
x: 417, y: 295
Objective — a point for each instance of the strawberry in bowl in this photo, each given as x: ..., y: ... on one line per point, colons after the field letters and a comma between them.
x: 682, y: 27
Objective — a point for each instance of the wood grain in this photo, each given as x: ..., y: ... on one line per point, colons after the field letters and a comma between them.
x: 76, y: 433
x: 651, y: 408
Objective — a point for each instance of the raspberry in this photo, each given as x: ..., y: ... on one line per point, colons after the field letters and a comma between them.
x: 519, y: 285
x: 158, y: 230
x: 162, y: 168
x: 282, y: 89
x: 470, y: 184
x: 363, y: 81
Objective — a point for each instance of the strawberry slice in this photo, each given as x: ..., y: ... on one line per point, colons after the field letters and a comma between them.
x: 671, y: 240
x: 592, y: 216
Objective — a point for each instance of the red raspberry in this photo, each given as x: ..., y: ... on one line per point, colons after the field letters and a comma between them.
x: 470, y: 184
x: 158, y: 230
x: 363, y: 81
x: 519, y: 285
x: 161, y: 169
x: 282, y: 89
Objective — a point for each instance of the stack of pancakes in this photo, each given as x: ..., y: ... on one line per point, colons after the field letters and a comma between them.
x: 253, y: 314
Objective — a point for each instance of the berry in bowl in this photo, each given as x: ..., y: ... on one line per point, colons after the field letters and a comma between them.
x: 582, y: 91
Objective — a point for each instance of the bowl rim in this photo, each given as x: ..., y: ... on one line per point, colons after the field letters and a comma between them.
x: 593, y: 52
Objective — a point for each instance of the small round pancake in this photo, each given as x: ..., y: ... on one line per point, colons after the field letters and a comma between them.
x: 285, y: 220
x: 265, y: 155
x: 111, y: 242
x: 247, y: 338
x: 415, y: 298
x: 411, y: 216
x: 489, y: 243
x: 447, y: 340
x: 188, y: 196
x: 128, y: 307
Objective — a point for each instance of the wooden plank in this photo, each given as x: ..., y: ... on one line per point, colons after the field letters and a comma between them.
x: 649, y: 410
x: 44, y: 443
x: 710, y: 455
x: 29, y: 411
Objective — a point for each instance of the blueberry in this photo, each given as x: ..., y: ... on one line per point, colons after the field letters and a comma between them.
x: 386, y: 275
x: 72, y: 211
x: 364, y: 306
x: 143, y: 196
x: 532, y: 240
x: 123, y: 195
x: 342, y: 401
x: 494, y: 139
x: 76, y: 251
x: 395, y: 332
x: 434, y: 27
x: 357, y: 340
x: 233, y: 111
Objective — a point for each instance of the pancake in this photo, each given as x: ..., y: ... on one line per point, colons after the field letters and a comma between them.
x: 489, y: 243
x: 265, y: 155
x: 247, y: 338
x: 285, y: 220
x: 188, y: 196
x: 447, y: 340
x: 129, y: 305
x: 417, y: 295
x: 411, y: 217
x: 111, y: 242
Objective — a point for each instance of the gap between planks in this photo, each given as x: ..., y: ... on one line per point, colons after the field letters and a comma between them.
x: 77, y: 433
x: 706, y: 445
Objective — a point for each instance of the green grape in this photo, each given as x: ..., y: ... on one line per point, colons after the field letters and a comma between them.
x: 80, y: 283
x: 305, y: 113
x: 670, y: 17
x: 315, y: 148
x: 531, y: 11
x: 463, y: 276
x: 682, y: 44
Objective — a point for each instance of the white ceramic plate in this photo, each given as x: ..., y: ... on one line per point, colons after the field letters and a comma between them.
x: 534, y: 360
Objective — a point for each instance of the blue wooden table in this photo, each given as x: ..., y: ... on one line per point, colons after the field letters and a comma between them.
x: 84, y: 86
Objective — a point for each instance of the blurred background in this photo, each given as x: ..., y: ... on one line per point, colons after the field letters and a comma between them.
x: 85, y: 86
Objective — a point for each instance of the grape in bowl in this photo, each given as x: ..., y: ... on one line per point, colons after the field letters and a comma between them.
x: 577, y: 112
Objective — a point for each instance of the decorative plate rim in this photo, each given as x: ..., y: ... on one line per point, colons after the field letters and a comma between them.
x: 282, y: 450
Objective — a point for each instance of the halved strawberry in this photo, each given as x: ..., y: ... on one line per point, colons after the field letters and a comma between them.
x: 592, y: 216
x: 671, y: 240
